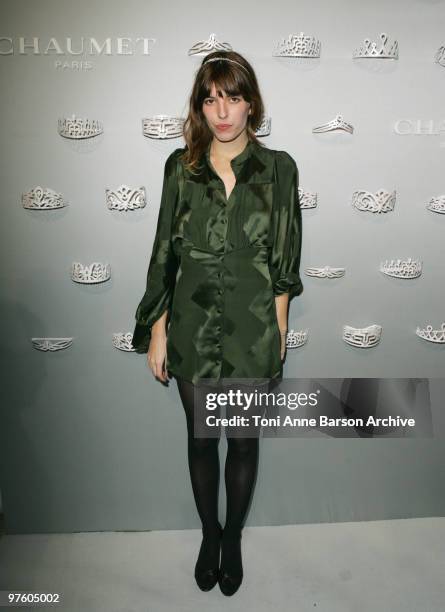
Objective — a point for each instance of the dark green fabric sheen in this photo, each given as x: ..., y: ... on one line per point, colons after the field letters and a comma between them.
x: 216, y: 265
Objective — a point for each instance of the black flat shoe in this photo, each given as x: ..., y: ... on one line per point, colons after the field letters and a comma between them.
x: 229, y: 584
x: 230, y: 577
x: 206, y: 577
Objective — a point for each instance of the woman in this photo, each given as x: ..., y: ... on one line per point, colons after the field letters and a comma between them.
x: 224, y: 265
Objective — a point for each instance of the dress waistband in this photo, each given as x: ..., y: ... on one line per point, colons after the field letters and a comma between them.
x: 251, y: 252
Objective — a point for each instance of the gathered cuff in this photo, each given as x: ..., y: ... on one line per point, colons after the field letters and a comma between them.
x: 290, y: 284
x: 141, y: 338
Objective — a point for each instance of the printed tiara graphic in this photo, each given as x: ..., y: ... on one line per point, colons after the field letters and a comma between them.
x: 369, y: 49
x: 295, y: 339
x: 162, y: 126
x: 203, y: 47
x: 298, y: 45
x: 126, y: 198
x: 402, y: 268
x: 437, y: 204
x: 432, y: 335
x: 325, y: 272
x: 51, y: 344
x: 439, y: 58
x: 381, y: 202
x: 307, y: 199
x: 335, y: 124
x: 264, y: 128
x: 79, y: 128
x: 122, y: 341
x: 41, y: 198
x: 363, y: 337
x: 94, y: 273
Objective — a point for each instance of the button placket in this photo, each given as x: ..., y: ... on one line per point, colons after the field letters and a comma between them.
x: 237, y: 164
x: 225, y: 220
x: 222, y: 215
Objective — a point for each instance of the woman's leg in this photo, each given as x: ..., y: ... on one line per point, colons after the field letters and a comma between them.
x: 203, y: 461
x: 241, y: 470
x: 240, y: 477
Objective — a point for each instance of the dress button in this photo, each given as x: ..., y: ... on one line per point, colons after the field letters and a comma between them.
x: 220, y: 291
x: 221, y: 239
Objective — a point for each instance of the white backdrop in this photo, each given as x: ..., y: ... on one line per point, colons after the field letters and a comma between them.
x: 89, y: 439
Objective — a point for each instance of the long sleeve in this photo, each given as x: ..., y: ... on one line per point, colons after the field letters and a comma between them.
x: 284, y: 256
x: 163, y: 266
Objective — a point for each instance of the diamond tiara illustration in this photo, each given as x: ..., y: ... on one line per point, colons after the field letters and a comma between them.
x: 41, y: 198
x: 295, y: 339
x: 122, y: 341
x: 432, y: 335
x: 264, y: 128
x: 325, y: 272
x: 439, y: 58
x: 298, y: 45
x: 75, y: 127
x: 94, y: 273
x: 203, y: 47
x: 402, y: 268
x: 307, y: 199
x: 381, y: 202
x: 363, y: 337
x: 437, y: 204
x: 162, y: 126
x: 126, y: 198
x: 51, y: 344
x: 337, y: 123
x: 369, y: 49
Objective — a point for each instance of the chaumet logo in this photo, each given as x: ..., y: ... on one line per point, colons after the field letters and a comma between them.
x: 83, y: 46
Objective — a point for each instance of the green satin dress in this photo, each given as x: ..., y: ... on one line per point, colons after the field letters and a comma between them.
x: 217, y: 264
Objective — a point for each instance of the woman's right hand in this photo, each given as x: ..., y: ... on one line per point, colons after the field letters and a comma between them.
x: 157, y: 350
x: 157, y: 355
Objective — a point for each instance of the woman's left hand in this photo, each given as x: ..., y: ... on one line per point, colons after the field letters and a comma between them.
x: 283, y: 344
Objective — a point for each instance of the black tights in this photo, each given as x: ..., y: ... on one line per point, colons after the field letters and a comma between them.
x: 203, y: 459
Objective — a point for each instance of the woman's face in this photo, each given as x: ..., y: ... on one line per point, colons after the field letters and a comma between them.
x: 226, y: 116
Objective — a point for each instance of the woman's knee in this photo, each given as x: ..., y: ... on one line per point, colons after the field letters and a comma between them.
x: 242, y: 446
x: 203, y: 445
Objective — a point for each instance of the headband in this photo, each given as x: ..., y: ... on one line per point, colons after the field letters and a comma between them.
x: 224, y: 59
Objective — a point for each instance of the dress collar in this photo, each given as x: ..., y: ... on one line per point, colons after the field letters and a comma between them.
x: 239, y: 159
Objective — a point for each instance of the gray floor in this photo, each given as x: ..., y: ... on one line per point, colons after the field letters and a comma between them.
x: 388, y: 566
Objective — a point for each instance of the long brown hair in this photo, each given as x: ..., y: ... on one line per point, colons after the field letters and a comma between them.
x: 234, y: 80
